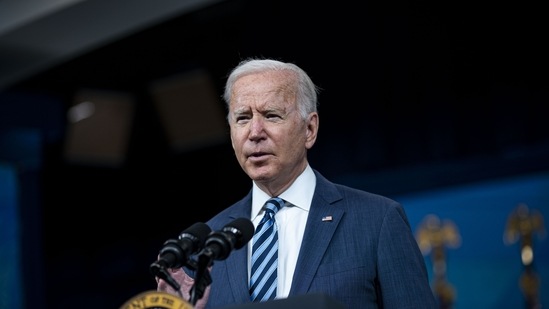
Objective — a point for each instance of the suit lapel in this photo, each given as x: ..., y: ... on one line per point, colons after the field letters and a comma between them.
x: 236, y: 264
x: 237, y: 272
x: 321, y: 225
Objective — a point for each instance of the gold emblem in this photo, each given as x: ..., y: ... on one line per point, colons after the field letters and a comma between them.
x: 156, y: 300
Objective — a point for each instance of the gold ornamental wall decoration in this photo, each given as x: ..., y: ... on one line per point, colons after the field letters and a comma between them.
x: 523, y: 224
x: 434, y: 237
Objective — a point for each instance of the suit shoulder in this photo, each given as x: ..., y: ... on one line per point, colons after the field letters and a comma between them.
x: 358, y: 194
x: 339, y: 193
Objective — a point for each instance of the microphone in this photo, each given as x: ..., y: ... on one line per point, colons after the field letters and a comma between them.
x: 218, y: 246
x: 176, y: 253
x: 234, y: 235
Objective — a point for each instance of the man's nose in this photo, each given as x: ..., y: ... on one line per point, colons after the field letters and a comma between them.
x: 256, y: 128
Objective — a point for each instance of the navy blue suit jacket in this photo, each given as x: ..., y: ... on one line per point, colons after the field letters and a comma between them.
x: 366, y: 257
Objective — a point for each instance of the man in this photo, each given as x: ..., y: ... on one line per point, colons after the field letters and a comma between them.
x: 352, y: 245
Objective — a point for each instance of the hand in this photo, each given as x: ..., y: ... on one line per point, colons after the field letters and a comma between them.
x: 186, y: 283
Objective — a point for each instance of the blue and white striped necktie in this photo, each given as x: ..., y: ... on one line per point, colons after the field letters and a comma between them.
x: 263, y: 279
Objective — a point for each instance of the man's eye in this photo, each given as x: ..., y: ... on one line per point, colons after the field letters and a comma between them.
x: 242, y: 118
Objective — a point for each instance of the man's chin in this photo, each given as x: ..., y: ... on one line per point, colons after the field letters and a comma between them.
x: 261, y: 174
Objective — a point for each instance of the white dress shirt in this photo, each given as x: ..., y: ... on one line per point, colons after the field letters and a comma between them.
x: 290, y: 221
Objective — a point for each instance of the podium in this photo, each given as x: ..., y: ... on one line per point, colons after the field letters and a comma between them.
x: 307, y: 301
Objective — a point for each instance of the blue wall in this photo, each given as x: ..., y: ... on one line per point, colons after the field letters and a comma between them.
x: 483, y: 269
x: 10, y: 272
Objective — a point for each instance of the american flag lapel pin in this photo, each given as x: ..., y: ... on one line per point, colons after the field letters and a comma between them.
x: 327, y: 218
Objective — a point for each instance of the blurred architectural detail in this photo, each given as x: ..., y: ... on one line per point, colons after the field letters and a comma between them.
x: 433, y: 237
x: 190, y: 110
x: 27, y: 29
x: 523, y: 223
x: 99, y: 127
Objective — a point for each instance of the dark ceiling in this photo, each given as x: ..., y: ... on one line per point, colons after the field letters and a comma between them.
x: 403, y: 84
x: 415, y: 95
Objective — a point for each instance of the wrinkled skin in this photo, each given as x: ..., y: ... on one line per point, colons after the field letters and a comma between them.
x: 269, y: 137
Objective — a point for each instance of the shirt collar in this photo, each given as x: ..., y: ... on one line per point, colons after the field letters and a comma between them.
x: 299, y: 194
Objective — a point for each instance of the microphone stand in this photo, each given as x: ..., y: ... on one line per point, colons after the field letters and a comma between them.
x: 203, y: 277
x: 161, y: 272
x: 164, y: 274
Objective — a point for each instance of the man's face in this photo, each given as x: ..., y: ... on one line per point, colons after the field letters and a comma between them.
x: 268, y: 135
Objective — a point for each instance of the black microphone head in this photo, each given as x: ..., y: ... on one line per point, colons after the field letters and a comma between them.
x: 243, y: 229
x: 198, y: 233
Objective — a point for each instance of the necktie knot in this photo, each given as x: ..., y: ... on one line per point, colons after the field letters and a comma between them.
x: 273, y: 205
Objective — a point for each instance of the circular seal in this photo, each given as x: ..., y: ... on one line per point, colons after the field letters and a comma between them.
x: 156, y: 300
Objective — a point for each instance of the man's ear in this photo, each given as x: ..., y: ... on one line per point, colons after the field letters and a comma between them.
x: 312, y: 130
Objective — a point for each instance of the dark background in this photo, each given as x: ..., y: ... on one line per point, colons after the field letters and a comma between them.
x: 415, y: 95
